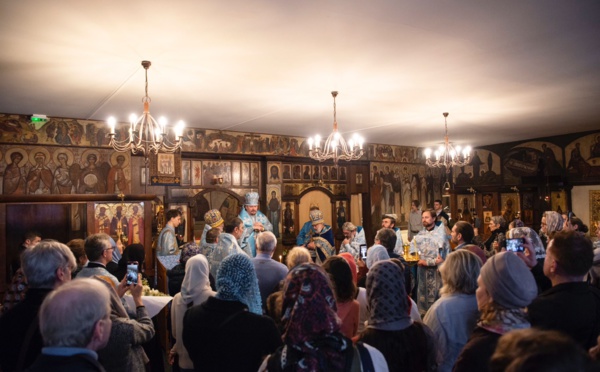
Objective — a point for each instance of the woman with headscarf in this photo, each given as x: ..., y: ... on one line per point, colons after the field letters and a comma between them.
x: 453, y: 317
x: 406, y: 345
x: 312, y: 338
x: 361, y: 292
x: 530, y: 236
x: 551, y: 223
x: 506, y: 288
x: 296, y: 256
x: 195, y: 289
x: 344, y: 290
x: 228, y: 332
x: 374, y: 254
x: 177, y: 273
x: 124, y: 351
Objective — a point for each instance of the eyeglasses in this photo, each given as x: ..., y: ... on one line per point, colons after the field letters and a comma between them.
x: 106, y: 249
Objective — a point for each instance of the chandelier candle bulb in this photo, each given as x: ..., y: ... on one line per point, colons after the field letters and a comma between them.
x: 111, y: 123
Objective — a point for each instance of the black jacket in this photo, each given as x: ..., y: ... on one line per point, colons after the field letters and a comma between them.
x: 223, y: 335
x: 572, y: 308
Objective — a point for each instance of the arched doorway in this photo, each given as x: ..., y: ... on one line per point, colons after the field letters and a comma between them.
x: 226, y: 201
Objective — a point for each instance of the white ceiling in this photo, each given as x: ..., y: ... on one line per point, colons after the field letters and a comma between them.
x: 505, y: 70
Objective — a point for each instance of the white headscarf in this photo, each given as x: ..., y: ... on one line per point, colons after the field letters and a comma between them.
x: 194, y: 289
x: 196, y: 285
x: 375, y: 254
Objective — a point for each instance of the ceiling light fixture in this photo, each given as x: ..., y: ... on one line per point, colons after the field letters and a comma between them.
x: 446, y: 155
x: 146, y: 135
x: 335, y: 147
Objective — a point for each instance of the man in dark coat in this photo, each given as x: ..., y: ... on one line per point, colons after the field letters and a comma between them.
x: 571, y: 306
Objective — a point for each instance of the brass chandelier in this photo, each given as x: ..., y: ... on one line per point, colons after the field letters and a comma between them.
x: 335, y: 147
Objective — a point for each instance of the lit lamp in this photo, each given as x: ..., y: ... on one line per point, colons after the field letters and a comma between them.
x: 145, y: 134
x: 335, y: 147
x: 446, y: 155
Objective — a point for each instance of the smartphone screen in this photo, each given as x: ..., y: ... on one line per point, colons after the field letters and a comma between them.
x: 363, y: 251
x: 514, y: 245
x: 132, y: 273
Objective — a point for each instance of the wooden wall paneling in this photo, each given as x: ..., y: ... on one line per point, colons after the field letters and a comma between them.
x: 3, y: 251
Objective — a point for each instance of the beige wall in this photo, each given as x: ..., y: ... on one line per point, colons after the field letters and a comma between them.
x: 580, y: 196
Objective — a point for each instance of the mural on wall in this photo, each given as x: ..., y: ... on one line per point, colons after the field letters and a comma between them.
x: 583, y: 158
x: 37, y: 170
x: 483, y: 169
x: 401, y: 154
x: 122, y: 221
x: 394, y: 186
x: 93, y: 133
x: 532, y: 159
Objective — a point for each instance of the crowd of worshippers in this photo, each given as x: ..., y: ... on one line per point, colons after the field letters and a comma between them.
x: 445, y: 301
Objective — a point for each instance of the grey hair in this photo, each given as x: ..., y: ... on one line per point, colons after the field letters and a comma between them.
x: 387, y: 238
x: 69, y: 314
x: 41, y: 262
x: 266, y: 242
x: 297, y: 256
x: 96, y: 244
x: 348, y: 226
x: 460, y: 272
x: 499, y: 220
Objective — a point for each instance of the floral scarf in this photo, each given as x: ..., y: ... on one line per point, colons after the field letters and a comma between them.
x: 502, y: 321
x: 312, y: 338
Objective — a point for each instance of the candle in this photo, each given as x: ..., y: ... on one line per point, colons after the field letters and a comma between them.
x: 279, y: 258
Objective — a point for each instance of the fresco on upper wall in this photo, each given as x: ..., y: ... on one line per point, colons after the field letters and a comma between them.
x: 532, y: 159
x: 399, y: 154
x: 37, y: 170
x: 583, y: 158
x: 393, y: 186
x: 483, y: 169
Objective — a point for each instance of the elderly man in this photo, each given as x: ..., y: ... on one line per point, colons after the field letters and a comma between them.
x: 47, y: 266
x: 268, y: 271
x: 99, y: 250
x: 167, y: 240
x: 212, y: 220
x: 227, y: 244
x: 254, y: 222
x: 354, y: 237
x: 75, y: 323
x: 319, y: 239
x: 388, y: 221
x: 306, y: 229
x: 571, y: 306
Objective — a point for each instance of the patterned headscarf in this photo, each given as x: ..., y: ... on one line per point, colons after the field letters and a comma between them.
x: 196, y: 286
x: 376, y: 253
x: 188, y: 250
x: 386, y: 295
x: 236, y: 281
x: 350, y: 259
x: 554, y: 222
x: 311, y: 337
x: 522, y: 232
